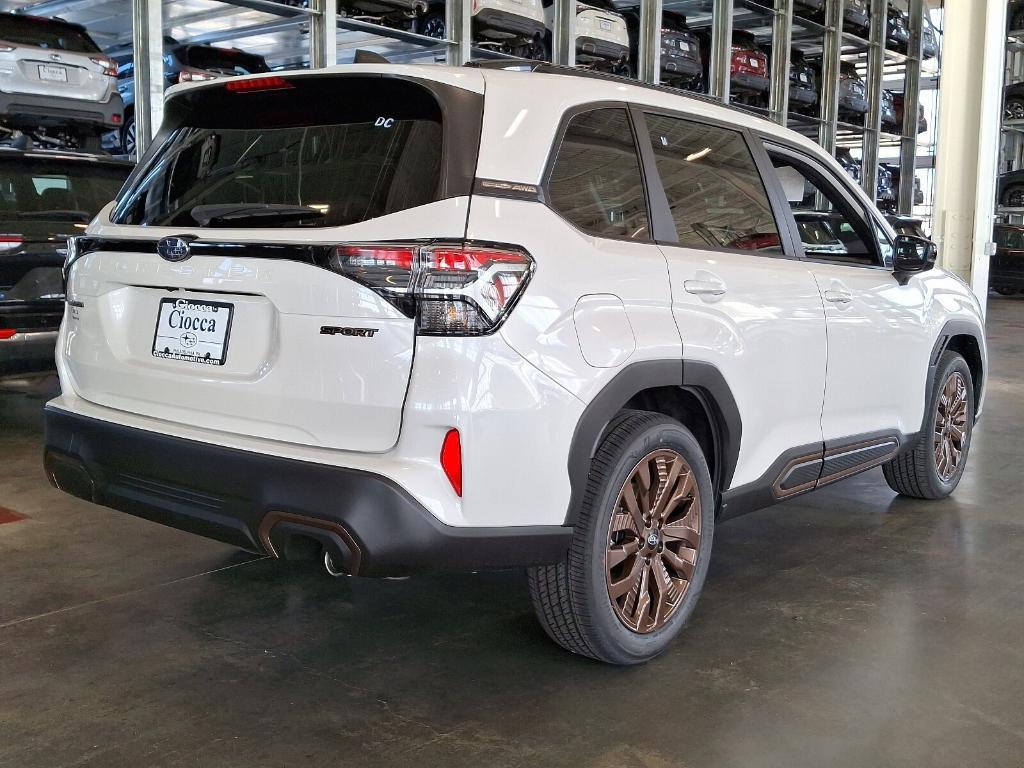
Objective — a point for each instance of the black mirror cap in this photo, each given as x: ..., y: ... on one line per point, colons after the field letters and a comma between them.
x: 912, y: 254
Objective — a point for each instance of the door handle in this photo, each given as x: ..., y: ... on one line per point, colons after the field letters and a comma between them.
x: 838, y: 296
x: 704, y: 287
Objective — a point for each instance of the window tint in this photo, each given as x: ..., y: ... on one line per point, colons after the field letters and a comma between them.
x: 324, y: 152
x: 830, y: 227
x: 45, y: 190
x: 596, y: 181
x: 714, y: 191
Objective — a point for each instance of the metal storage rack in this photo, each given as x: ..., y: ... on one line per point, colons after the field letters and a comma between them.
x: 319, y: 32
x: 1011, y: 154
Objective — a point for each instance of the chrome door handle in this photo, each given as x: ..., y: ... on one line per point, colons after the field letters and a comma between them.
x: 704, y: 287
x: 838, y: 297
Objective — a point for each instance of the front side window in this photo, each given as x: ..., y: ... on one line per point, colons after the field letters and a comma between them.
x: 830, y: 227
x: 595, y: 180
x: 714, y: 191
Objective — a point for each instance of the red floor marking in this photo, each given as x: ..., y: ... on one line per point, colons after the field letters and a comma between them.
x: 9, y: 516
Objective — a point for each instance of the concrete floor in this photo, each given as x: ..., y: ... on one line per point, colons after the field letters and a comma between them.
x: 847, y: 628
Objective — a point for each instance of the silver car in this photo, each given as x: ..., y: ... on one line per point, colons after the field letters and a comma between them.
x: 55, y: 80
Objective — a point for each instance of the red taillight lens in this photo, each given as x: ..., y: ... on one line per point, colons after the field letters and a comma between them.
x: 7, y: 333
x: 258, y: 84
x: 10, y: 242
x: 109, y: 65
x: 458, y: 289
x: 451, y: 459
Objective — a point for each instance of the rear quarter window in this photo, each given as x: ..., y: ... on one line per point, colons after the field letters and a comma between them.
x: 41, y: 33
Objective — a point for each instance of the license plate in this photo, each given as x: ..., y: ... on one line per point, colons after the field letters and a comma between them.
x: 193, y: 331
x: 804, y: 78
x: 684, y: 46
x: 604, y: 24
x: 53, y: 72
x: 755, y: 63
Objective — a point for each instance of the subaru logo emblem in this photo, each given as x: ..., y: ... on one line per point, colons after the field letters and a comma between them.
x: 54, y: 57
x: 173, y: 248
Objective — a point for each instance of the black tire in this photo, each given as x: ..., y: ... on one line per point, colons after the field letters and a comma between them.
x: 128, y: 135
x: 916, y: 472
x: 571, y: 599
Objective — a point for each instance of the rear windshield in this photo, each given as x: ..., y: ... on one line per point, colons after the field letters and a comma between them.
x: 224, y: 61
x: 346, y: 149
x: 1009, y: 238
x: 41, y: 33
x: 38, y: 189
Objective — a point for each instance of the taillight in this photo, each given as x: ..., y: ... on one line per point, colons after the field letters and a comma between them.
x: 456, y: 289
x: 451, y: 459
x: 10, y: 242
x: 5, y: 47
x: 109, y: 65
x: 9, y: 333
x: 194, y: 76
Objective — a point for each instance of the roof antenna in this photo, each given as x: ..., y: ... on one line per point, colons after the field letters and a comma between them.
x: 369, y: 57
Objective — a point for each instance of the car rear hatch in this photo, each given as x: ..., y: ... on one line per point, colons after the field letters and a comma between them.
x: 292, y: 208
x: 51, y: 58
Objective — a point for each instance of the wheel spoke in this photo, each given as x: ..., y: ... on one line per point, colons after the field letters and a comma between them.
x: 620, y: 552
x: 668, y: 488
x: 682, y: 562
x: 629, y: 498
x: 618, y: 588
x: 680, y: 531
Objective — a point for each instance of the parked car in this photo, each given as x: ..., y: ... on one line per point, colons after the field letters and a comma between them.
x: 1015, y: 15
x: 810, y: 9
x: 857, y: 16
x: 1006, y: 269
x: 849, y: 164
x: 602, y: 38
x: 45, y: 197
x: 302, y: 352
x: 515, y: 27
x: 183, y: 63
x: 894, y: 172
x: 929, y: 40
x: 886, y: 189
x: 748, y: 69
x: 426, y: 17
x: 1013, y: 102
x: 1011, y: 189
x: 922, y: 122
x: 897, y: 29
x: 680, y: 62
x: 803, y: 83
x: 890, y: 119
x: 55, y: 83
x: 853, y: 99
x: 906, y: 225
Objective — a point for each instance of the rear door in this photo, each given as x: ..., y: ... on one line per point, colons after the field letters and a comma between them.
x: 741, y: 303
x: 242, y: 321
x: 51, y: 58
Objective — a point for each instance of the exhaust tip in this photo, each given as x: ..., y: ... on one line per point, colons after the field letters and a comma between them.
x: 291, y: 536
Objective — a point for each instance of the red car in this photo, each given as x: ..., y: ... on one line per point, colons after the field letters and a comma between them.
x: 749, y: 70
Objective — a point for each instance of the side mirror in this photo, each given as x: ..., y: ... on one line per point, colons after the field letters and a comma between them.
x: 912, y: 254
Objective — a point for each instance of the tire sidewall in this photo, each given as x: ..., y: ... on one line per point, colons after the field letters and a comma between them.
x: 621, y: 644
x: 949, y: 363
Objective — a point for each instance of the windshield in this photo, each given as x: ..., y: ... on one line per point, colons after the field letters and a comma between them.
x: 351, y: 149
x: 48, y: 189
x: 41, y: 33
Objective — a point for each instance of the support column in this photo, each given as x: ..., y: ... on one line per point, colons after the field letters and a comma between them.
x: 720, y: 65
x: 323, y: 34
x: 148, y: 41
x: 873, y: 119
x: 831, y: 49
x: 649, y: 55
x: 973, y: 50
x: 458, y: 26
x: 563, y: 36
x: 782, y: 38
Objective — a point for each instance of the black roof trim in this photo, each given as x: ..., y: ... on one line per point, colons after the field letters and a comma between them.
x: 543, y: 67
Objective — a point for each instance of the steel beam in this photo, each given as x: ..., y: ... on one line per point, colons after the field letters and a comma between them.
x: 873, y: 119
x: 563, y: 38
x: 782, y: 40
x: 721, y: 50
x: 323, y: 34
x: 278, y: 25
x: 911, y: 102
x: 147, y: 36
x: 831, y: 49
x: 649, y: 52
x: 458, y: 28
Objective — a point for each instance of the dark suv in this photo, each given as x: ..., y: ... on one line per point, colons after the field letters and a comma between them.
x: 803, y: 83
x: 45, y: 197
x: 853, y: 99
x: 681, y: 63
x: 183, y: 63
x: 1006, y: 270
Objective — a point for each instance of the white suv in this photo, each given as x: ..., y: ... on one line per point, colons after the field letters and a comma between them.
x: 53, y: 76
x: 417, y: 317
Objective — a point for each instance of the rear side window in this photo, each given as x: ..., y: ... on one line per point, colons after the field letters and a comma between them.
x: 312, y: 151
x: 41, y: 33
x: 595, y: 180
x: 714, y: 191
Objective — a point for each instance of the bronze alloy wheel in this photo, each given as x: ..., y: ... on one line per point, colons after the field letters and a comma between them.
x: 950, y: 426
x: 653, y: 540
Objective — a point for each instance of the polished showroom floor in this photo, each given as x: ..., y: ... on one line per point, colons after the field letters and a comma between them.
x: 847, y: 628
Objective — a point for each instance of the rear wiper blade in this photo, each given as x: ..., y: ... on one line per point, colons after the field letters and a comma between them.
x: 207, y: 215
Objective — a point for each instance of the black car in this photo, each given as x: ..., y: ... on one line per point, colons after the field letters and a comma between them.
x: 1013, y: 102
x: 1006, y: 269
x: 906, y: 225
x: 803, y: 83
x: 850, y: 165
x: 183, y: 63
x: 1011, y: 189
x: 853, y: 99
x: 45, y: 197
x: 1015, y: 15
x: 681, y: 63
x: 897, y: 34
x: 929, y: 40
x: 857, y: 16
x: 922, y: 122
x: 886, y: 189
x: 894, y: 172
x: 890, y: 120
x: 810, y: 9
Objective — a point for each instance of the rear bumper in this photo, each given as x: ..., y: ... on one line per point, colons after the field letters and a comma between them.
x: 26, y: 110
x: 803, y: 96
x: 857, y: 104
x: 680, y: 66
x: 27, y: 353
x: 370, y: 525
x: 496, y: 20
x: 747, y: 82
x: 605, y: 49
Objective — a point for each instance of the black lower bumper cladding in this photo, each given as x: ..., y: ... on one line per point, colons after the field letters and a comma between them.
x: 275, y: 505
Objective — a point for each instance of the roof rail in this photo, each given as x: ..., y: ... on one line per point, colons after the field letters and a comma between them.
x: 543, y: 67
